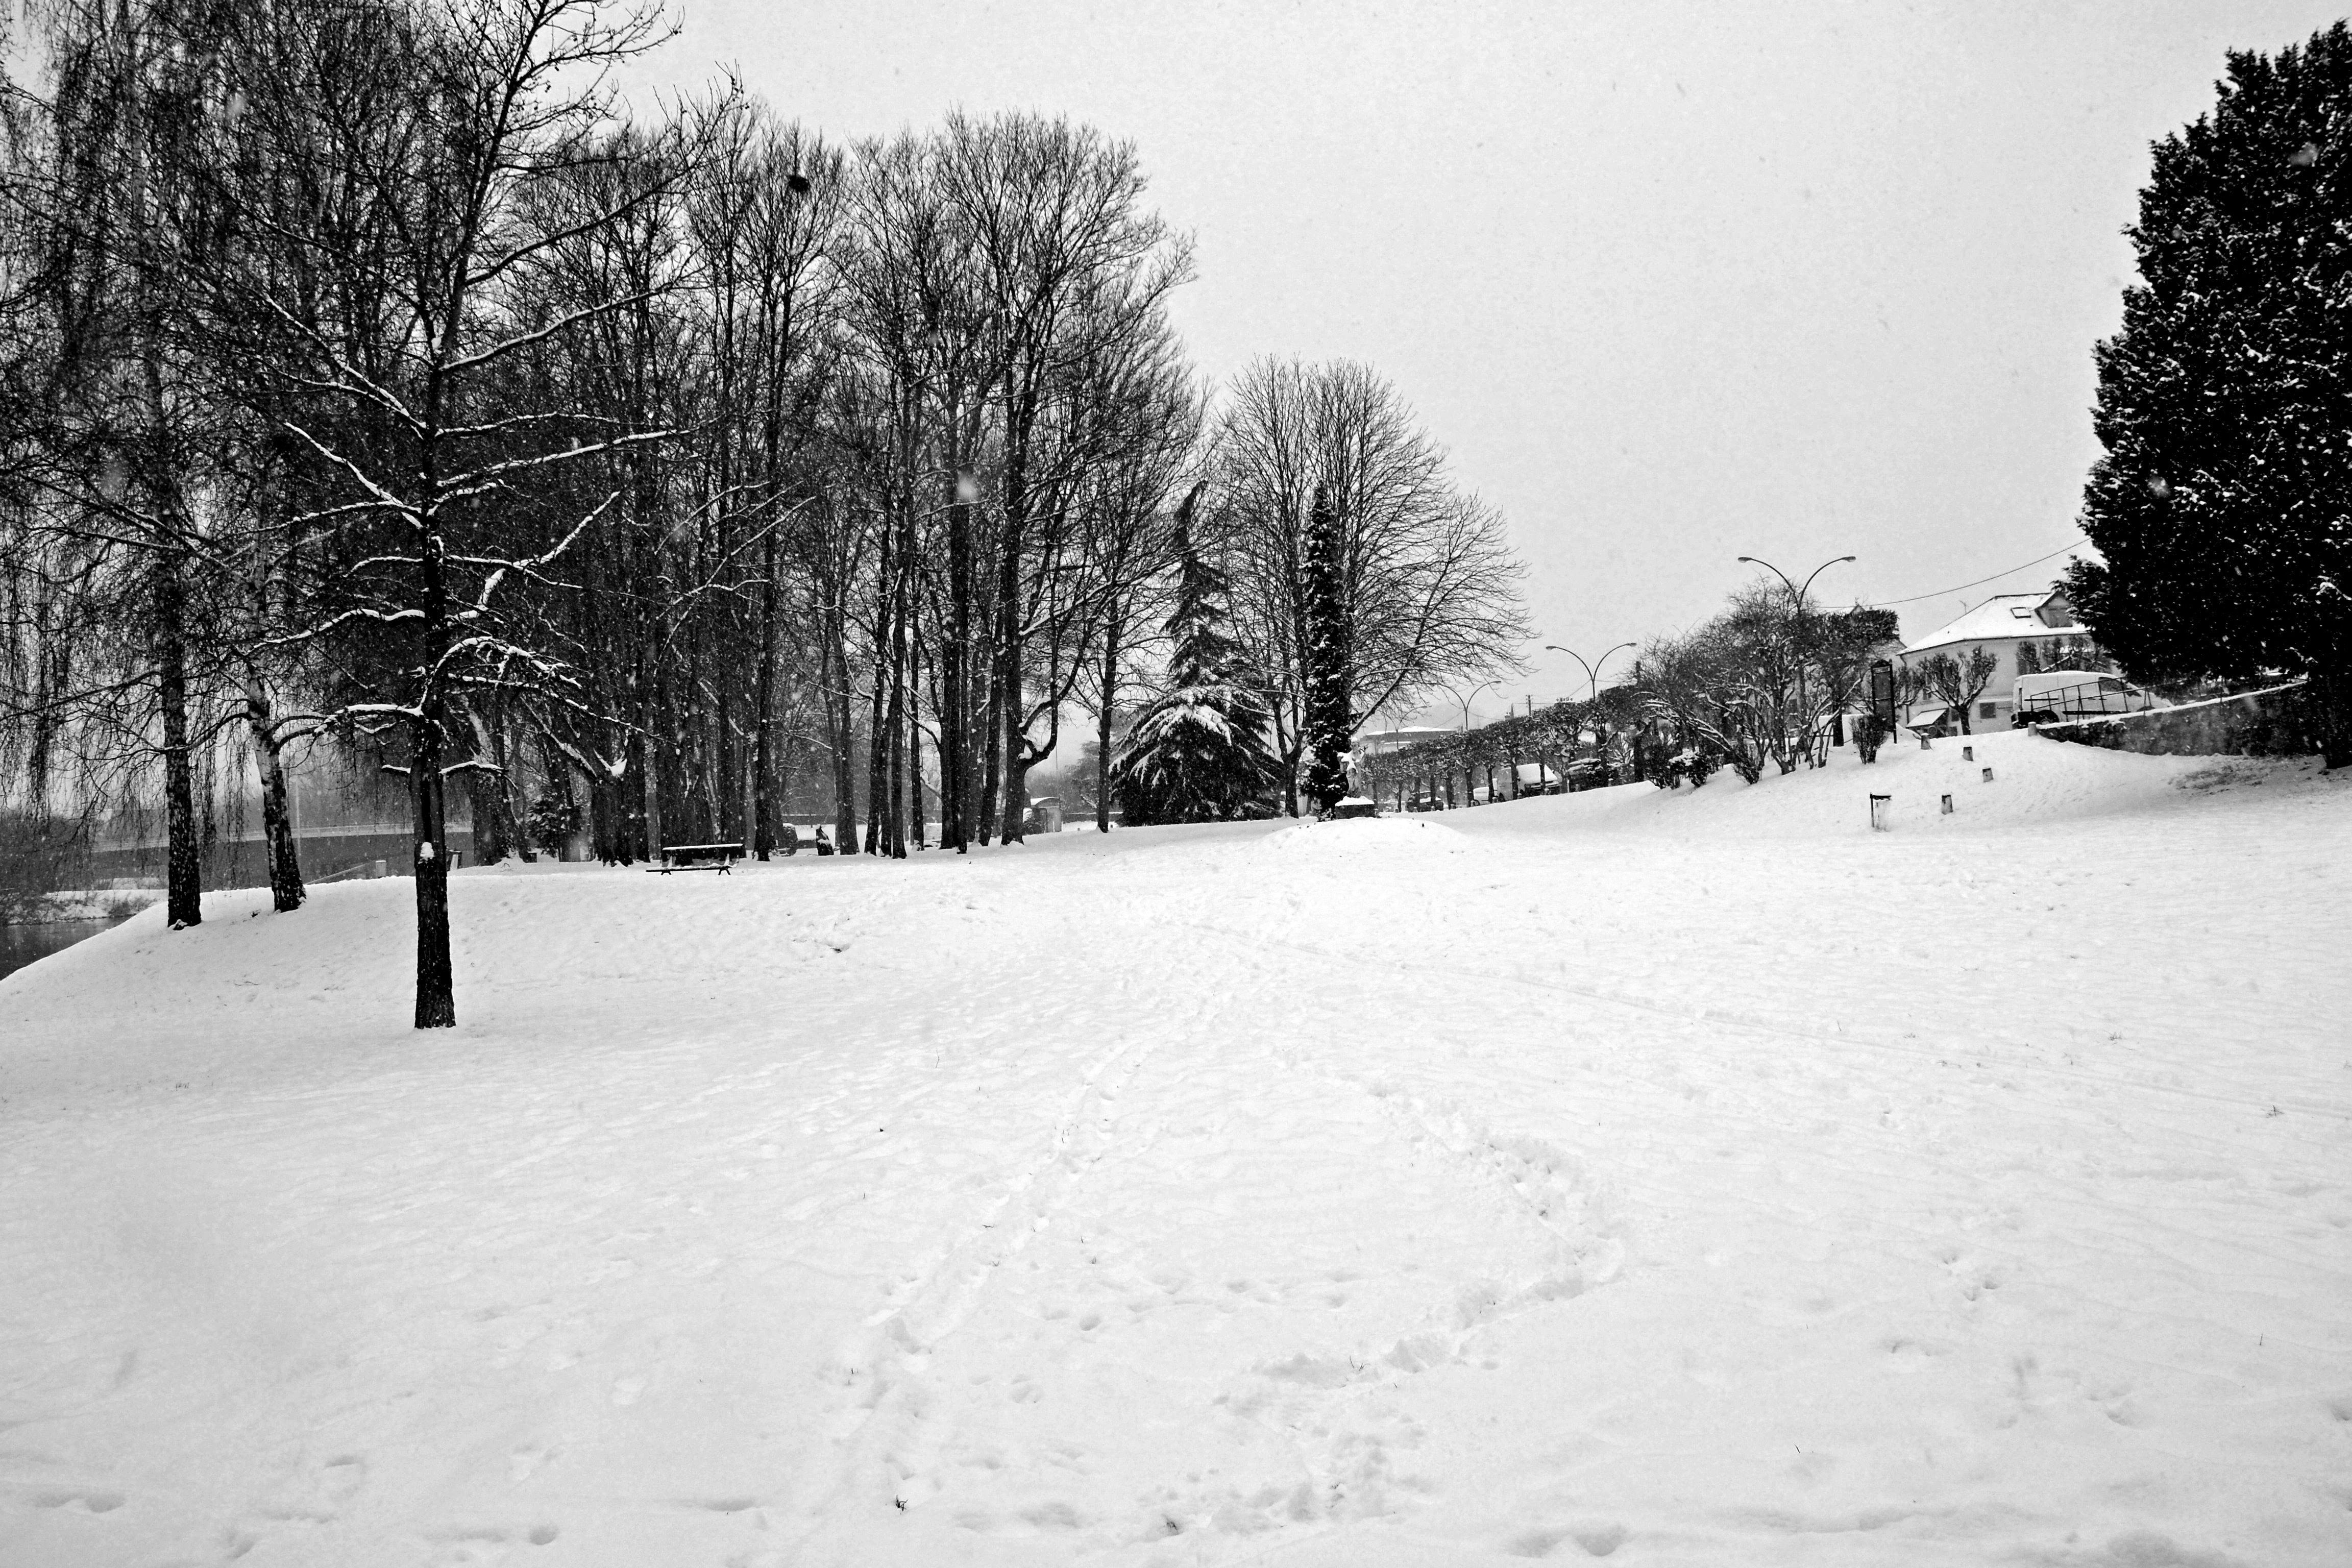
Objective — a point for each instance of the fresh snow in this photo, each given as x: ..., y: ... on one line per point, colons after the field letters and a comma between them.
x: 1674, y: 1179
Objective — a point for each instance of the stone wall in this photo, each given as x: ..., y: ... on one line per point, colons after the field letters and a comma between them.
x: 2280, y: 722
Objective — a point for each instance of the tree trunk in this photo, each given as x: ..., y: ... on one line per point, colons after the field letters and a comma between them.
x: 915, y: 827
x: 1014, y: 733
x: 183, y: 874
x: 896, y: 758
x: 436, y: 1002
x: 1103, y: 733
x: 1287, y: 747
x: 1016, y: 793
x: 877, y: 740
x: 2335, y: 695
x: 763, y: 766
x: 647, y: 747
x: 841, y: 719
x: 991, y: 733
x: 954, y: 683
x: 286, y: 890
x: 485, y: 787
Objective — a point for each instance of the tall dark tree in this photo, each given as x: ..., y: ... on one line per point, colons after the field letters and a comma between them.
x: 1330, y: 659
x: 1198, y: 753
x: 2224, y: 505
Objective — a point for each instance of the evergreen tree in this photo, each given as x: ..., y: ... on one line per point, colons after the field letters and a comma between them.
x: 1330, y: 674
x: 2223, y: 505
x: 1198, y: 753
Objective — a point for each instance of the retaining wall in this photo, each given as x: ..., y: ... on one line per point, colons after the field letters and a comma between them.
x: 2276, y: 721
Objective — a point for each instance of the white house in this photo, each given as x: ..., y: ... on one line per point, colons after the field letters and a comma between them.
x: 2025, y: 632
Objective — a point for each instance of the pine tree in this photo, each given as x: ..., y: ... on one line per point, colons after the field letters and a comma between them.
x: 1198, y: 753
x: 1330, y: 675
x: 2223, y: 505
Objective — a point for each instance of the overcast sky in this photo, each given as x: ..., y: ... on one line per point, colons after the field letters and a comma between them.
x: 1673, y: 283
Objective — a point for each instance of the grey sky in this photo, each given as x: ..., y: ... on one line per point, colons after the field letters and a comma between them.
x: 1674, y: 283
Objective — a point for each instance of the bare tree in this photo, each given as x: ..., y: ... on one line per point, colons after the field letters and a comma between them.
x: 1958, y: 681
x: 429, y: 528
x: 1428, y: 584
x: 1075, y: 270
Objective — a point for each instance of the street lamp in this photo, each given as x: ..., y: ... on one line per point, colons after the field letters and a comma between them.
x: 1593, y: 692
x: 1465, y: 701
x: 1795, y: 592
x: 1593, y: 671
x: 1797, y: 605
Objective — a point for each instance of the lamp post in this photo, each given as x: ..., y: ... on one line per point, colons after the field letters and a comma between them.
x: 1469, y: 789
x: 1797, y: 607
x: 1465, y: 701
x: 1593, y: 671
x: 1592, y: 690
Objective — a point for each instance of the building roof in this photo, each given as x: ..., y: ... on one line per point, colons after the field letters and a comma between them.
x: 2003, y: 615
x: 1376, y: 740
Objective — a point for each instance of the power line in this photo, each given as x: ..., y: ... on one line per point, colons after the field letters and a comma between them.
x: 1888, y: 603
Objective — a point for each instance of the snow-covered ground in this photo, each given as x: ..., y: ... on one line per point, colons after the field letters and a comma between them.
x: 1669, y: 1179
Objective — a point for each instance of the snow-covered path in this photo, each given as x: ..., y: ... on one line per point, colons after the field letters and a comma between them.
x: 1684, y: 1179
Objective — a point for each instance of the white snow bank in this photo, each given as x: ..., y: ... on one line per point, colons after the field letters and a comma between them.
x: 1350, y: 839
x: 1618, y: 1187
x: 2035, y: 780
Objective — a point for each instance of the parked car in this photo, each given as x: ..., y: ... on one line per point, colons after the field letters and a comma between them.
x: 1538, y: 778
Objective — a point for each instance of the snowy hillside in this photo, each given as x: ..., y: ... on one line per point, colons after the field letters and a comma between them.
x: 1680, y: 1179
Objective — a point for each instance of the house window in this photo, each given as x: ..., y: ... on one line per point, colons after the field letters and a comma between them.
x: 1986, y: 710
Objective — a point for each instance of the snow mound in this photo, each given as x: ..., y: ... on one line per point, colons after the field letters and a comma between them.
x: 1961, y: 1194
x: 1996, y: 782
x: 1361, y: 838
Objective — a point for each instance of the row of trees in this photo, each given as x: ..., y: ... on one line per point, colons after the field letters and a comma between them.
x: 1767, y: 682
x: 370, y: 376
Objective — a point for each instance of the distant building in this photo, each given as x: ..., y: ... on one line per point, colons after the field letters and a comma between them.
x: 1373, y: 742
x: 2025, y: 632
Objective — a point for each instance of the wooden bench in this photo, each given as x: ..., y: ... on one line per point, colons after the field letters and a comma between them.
x: 717, y: 857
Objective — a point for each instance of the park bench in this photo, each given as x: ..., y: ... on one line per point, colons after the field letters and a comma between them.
x: 716, y: 857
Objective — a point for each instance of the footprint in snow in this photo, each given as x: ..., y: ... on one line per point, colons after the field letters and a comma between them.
x: 1596, y: 1540
x: 92, y: 1501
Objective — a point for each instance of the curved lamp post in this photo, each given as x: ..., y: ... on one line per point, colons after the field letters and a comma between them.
x: 1465, y: 701
x: 1796, y: 594
x: 1797, y: 607
x: 1593, y: 692
x: 1593, y: 671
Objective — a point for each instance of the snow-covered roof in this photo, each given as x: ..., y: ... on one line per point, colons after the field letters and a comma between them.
x: 2002, y: 616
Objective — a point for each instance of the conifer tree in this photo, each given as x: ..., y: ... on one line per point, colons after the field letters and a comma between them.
x: 1330, y: 674
x: 2223, y: 505
x: 1198, y: 753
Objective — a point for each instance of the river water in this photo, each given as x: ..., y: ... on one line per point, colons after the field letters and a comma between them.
x: 22, y: 944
